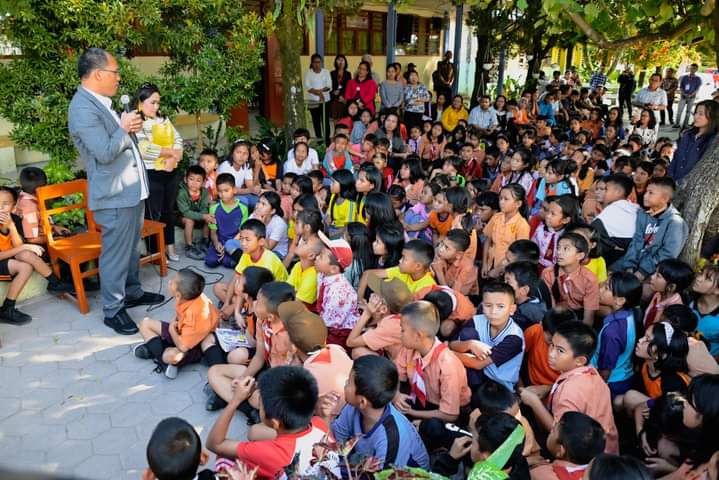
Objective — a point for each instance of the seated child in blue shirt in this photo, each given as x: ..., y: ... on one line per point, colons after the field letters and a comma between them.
x: 492, y: 345
x: 618, y: 336
x: 385, y: 433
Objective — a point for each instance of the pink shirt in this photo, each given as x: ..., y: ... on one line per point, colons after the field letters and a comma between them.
x: 336, y: 301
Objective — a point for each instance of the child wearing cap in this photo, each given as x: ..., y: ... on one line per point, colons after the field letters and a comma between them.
x: 454, y: 265
x: 189, y: 334
x: 385, y: 303
x: 454, y: 308
x: 336, y: 299
x: 413, y: 268
x: 434, y: 381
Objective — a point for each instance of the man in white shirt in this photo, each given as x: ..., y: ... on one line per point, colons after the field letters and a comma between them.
x: 483, y: 117
x: 318, y: 85
x: 652, y: 97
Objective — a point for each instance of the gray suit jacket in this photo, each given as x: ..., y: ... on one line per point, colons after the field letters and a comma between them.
x: 106, y: 150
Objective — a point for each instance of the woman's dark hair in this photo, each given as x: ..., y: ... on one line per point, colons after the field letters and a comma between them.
x: 304, y: 184
x: 666, y: 418
x: 681, y: 317
x: 618, y: 123
x: 275, y: 202
x: 492, y: 430
x: 569, y: 206
x: 396, y: 133
x: 703, y: 396
x: 358, y: 235
x: 143, y: 93
x: 378, y: 209
x: 518, y: 193
x: 614, y: 467
x: 671, y: 356
x: 495, y: 102
x: 254, y: 278
x: 711, y: 108
x: 415, y: 168
x: 369, y: 70
x: 676, y: 273
x: 440, y: 138
x: 347, y: 189
x: 393, y: 239
x: 652, y: 118
x: 307, y: 201
x: 374, y: 176
x: 346, y: 64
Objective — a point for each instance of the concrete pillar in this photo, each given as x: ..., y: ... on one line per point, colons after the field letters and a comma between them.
x: 391, y: 32
x: 320, y: 34
x: 458, y: 23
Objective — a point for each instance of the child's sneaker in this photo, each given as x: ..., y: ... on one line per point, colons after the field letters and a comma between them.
x: 55, y: 285
x: 214, y: 402
x: 202, y: 245
x: 13, y: 316
x: 142, y: 352
x: 194, y: 253
x: 171, y: 372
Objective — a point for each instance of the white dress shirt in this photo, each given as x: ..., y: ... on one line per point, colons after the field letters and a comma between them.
x: 107, y: 102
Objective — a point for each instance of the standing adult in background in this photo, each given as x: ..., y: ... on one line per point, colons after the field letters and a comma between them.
x: 362, y: 88
x: 688, y: 88
x: 117, y: 184
x: 627, y: 85
x: 599, y: 78
x: 416, y: 96
x: 669, y: 85
x: 318, y: 85
x: 694, y: 142
x: 340, y: 76
x: 443, y: 77
x: 161, y: 150
x: 370, y: 61
x: 652, y: 97
x: 391, y: 90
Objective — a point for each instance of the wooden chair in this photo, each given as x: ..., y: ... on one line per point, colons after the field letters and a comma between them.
x: 84, y: 247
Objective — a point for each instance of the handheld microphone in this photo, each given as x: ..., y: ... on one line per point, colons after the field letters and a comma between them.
x: 125, y: 101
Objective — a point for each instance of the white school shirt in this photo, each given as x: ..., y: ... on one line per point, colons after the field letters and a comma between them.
x: 244, y: 173
x: 107, y: 102
x: 319, y: 81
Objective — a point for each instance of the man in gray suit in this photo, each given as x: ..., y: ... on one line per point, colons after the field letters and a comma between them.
x: 117, y: 184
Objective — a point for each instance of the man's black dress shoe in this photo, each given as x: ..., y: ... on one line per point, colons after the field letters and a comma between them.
x: 147, y: 298
x: 122, y: 323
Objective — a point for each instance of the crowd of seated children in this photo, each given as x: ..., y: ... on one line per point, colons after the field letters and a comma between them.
x: 396, y: 259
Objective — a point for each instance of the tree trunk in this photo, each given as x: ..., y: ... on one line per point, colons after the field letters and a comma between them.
x: 480, y: 76
x: 289, y: 35
x: 698, y: 200
x: 198, y: 129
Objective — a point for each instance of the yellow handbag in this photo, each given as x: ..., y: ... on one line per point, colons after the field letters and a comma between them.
x: 163, y: 135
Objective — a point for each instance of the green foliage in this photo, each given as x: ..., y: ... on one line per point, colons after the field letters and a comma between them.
x: 215, y: 51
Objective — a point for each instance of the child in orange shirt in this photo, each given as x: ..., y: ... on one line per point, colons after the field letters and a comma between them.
x: 537, y: 340
x: 454, y: 265
x: 189, y: 334
x: 433, y: 380
x: 504, y: 228
x: 579, y: 387
x: 273, y: 349
x: 377, y: 331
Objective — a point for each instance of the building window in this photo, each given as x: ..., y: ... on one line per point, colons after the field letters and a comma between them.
x: 418, y: 35
x: 355, y: 34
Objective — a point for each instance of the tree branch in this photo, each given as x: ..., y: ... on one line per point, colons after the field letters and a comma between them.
x: 666, y: 34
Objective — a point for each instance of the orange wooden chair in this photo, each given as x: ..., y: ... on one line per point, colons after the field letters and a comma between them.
x: 84, y: 247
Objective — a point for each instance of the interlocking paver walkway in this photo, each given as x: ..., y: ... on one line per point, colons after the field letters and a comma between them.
x: 73, y: 398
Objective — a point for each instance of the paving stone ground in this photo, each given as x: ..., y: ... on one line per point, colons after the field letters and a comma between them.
x: 75, y: 401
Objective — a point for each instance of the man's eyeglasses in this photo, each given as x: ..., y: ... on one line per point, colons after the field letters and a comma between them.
x: 115, y: 72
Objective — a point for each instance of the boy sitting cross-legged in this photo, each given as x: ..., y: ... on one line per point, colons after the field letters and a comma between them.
x: 189, y: 334
x: 288, y: 397
x: 18, y: 260
x: 579, y: 387
x: 434, y: 381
